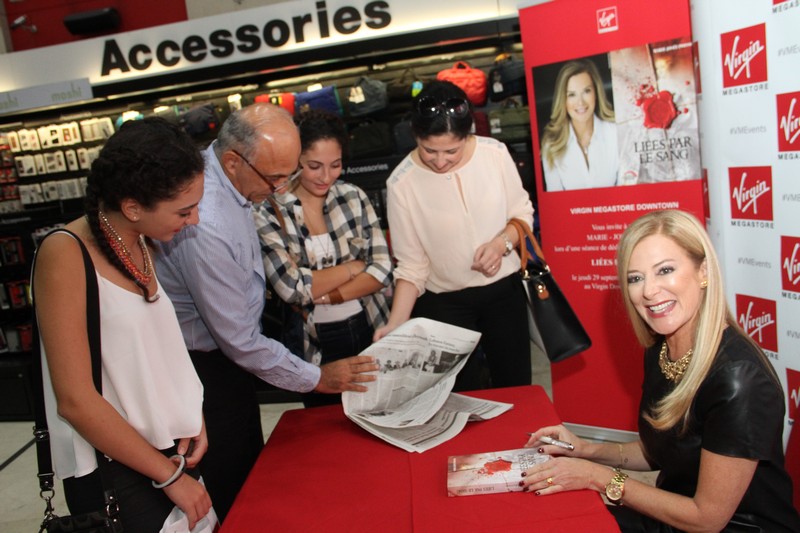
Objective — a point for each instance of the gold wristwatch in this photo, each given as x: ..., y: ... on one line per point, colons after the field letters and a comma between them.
x: 616, y: 487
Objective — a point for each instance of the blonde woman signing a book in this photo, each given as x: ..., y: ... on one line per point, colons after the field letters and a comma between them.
x: 328, y: 257
x: 579, y: 144
x: 712, y: 407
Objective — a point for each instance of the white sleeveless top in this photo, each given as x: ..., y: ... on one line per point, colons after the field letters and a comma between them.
x: 148, y: 378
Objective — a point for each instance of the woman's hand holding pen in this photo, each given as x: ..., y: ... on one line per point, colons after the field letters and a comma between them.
x: 555, y: 440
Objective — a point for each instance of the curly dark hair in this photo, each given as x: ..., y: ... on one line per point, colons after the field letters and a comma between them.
x: 441, y: 91
x: 148, y: 160
x: 316, y: 124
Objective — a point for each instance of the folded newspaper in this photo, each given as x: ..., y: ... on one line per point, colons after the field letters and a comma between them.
x: 410, y: 404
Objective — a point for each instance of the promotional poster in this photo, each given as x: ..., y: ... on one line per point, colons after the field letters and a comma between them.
x: 615, y: 126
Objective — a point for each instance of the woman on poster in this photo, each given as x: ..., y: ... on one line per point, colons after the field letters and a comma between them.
x: 712, y: 409
x: 579, y: 144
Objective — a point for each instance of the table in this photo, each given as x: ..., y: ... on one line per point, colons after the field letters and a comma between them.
x: 321, y: 472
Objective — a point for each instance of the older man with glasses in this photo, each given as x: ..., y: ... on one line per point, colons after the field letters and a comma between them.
x: 215, y: 277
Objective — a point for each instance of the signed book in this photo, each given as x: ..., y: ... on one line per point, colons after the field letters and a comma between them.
x: 490, y: 472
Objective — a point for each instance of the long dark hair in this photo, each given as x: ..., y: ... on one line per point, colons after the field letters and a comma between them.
x: 149, y: 161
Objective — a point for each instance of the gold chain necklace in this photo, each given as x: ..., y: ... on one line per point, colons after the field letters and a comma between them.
x: 673, y: 370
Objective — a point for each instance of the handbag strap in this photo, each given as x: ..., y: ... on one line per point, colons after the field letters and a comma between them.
x: 524, y: 232
x: 40, y: 430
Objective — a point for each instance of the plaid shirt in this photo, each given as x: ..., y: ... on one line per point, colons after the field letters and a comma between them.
x: 288, y: 261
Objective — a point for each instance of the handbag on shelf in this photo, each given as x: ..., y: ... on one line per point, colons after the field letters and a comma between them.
x: 325, y: 98
x: 511, y: 122
x: 506, y: 78
x: 366, y: 96
x: 404, y: 136
x: 471, y: 80
x: 549, y: 312
x: 405, y: 87
x: 105, y: 520
x: 371, y: 139
x: 284, y: 100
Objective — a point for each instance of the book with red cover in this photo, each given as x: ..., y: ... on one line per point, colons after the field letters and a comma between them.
x: 490, y: 472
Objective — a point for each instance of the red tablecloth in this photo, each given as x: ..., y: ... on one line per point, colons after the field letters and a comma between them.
x: 321, y: 472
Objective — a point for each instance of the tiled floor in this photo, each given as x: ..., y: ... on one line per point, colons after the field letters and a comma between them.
x: 21, y: 510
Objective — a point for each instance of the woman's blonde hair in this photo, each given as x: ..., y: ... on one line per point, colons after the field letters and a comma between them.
x: 713, y: 317
x: 556, y: 133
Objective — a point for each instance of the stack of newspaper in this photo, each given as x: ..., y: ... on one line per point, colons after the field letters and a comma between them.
x: 410, y: 404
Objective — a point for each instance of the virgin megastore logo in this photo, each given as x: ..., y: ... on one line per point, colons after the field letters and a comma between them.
x: 783, y: 5
x: 607, y: 19
x: 793, y: 396
x: 788, y: 125
x: 757, y: 316
x: 744, y: 60
x: 751, y: 196
x: 790, y: 267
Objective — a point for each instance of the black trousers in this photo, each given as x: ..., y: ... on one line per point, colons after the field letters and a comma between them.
x: 498, y: 311
x: 141, y: 507
x: 233, y: 425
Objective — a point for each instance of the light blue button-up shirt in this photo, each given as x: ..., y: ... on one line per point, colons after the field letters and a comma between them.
x: 214, y: 275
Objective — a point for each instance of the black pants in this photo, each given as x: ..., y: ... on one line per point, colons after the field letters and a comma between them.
x: 498, y: 311
x: 233, y: 425
x: 338, y: 340
x: 141, y: 507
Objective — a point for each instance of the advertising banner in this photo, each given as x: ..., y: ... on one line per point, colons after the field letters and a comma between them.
x: 750, y: 120
x: 615, y: 125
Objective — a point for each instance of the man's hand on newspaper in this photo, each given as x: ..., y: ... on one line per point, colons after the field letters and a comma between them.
x: 346, y: 374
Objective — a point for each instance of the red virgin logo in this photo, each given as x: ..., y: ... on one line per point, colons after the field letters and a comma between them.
x: 607, y: 19
x: 757, y: 317
x: 793, y: 382
x: 788, y: 122
x: 744, y: 56
x: 790, y: 263
x: 751, y: 192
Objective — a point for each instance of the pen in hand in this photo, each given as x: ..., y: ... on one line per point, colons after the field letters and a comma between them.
x: 556, y: 442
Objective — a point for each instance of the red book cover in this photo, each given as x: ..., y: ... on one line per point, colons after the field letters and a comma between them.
x: 490, y: 472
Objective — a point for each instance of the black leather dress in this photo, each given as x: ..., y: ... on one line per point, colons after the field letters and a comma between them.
x: 738, y: 412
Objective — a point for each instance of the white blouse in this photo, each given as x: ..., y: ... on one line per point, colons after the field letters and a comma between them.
x: 437, y: 221
x: 570, y: 172
x: 148, y: 378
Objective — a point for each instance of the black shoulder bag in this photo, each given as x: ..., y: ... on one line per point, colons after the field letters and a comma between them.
x: 548, y: 309
x: 105, y: 520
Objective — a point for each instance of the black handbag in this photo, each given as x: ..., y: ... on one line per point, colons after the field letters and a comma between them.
x: 371, y: 139
x: 506, y: 78
x: 561, y: 332
x: 107, y: 519
x: 367, y: 96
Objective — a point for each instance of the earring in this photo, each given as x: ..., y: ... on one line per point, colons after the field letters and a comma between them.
x: 704, y: 284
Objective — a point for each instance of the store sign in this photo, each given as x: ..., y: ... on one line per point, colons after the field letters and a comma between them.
x: 744, y: 57
x: 751, y: 194
x: 790, y: 266
x: 246, y: 39
x: 52, y: 94
x: 788, y: 124
x: 757, y: 316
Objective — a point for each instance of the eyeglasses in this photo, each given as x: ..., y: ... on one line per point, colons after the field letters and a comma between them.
x: 430, y: 107
x: 272, y: 182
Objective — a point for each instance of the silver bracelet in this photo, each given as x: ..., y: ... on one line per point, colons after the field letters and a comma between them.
x: 175, y: 475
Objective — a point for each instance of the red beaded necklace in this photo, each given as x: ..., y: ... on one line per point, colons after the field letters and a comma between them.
x: 116, y: 243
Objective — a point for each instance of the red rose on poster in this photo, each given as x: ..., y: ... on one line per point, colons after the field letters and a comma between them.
x: 659, y: 110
